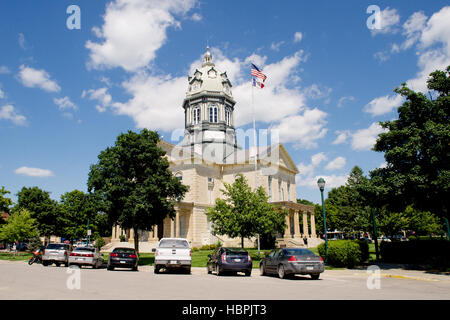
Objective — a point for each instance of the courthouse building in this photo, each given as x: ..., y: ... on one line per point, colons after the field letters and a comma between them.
x: 210, y: 155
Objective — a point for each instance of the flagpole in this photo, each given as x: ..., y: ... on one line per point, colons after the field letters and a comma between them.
x: 256, y: 153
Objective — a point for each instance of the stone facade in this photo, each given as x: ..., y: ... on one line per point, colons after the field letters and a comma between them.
x: 208, y: 156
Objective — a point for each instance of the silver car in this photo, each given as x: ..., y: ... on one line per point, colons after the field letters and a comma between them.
x: 86, y: 256
x: 57, y: 253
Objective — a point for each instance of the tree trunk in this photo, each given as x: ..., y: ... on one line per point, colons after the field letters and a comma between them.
x: 242, y: 242
x: 136, y: 240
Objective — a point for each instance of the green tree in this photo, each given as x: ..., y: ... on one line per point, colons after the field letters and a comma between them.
x: 20, y: 226
x: 416, y: 148
x: 5, y: 203
x: 392, y: 223
x: 76, y: 207
x: 134, y: 179
x: 43, y: 209
x: 423, y: 223
x: 244, y: 213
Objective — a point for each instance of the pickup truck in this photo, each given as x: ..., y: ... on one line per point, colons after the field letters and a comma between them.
x: 57, y: 253
x: 173, y: 253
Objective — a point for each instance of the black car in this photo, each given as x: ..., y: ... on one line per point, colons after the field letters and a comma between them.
x: 290, y: 261
x: 123, y: 258
x: 229, y: 260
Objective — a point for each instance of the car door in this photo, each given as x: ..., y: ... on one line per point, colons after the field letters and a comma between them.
x: 269, y: 262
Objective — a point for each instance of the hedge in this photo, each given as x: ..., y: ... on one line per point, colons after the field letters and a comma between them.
x: 434, y: 253
x: 345, y: 253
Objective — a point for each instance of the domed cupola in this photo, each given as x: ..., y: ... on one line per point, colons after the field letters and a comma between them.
x: 209, y: 108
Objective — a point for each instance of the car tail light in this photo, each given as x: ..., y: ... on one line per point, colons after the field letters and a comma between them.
x: 249, y: 258
x: 65, y: 253
x: 113, y: 255
x: 43, y: 251
x: 132, y: 256
x: 321, y: 259
x: 190, y: 253
x: 73, y: 254
x: 224, y: 257
x: 156, y: 252
x: 90, y: 255
x: 292, y: 258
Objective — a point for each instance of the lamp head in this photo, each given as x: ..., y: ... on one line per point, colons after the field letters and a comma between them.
x: 321, y: 184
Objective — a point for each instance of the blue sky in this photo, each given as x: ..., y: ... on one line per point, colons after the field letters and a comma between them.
x: 66, y: 94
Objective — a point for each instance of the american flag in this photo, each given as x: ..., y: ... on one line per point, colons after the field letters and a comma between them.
x: 257, y: 73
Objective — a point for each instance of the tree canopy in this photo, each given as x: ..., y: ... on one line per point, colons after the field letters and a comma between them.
x: 245, y: 213
x: 5, y: 202
x: 416, y: 147
x: 134, y: 179
x: 20, y: 226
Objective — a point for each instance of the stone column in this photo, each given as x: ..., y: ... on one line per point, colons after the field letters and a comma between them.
x: 287, y: 231
x: 313, y: 225
x: 172, y: 228
x: 296, y: 225
x: 305, y: 224
x: 131, y: 236
x: 177, y: 221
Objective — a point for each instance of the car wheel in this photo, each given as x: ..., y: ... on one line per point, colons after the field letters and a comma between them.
x: 208, y: 270
x: 156, y: 269
x: 248, y: 273
x: 315, y: 276
x: 57, y: 264
x: 66, y: 264
x: 135, y: 268
x: 44, y: 263
x: 281, y: 272
x: 188, y: 270
x: 262, y: 271
x: 218, y: 271
x: 109, y: 268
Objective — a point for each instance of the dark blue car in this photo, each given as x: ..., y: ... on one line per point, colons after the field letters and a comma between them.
x: 231, y: 260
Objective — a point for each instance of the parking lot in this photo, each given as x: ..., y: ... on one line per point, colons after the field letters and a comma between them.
x: 18, y: 280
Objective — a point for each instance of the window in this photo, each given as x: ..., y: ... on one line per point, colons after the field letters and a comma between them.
x: 280, y: 198
x: 196, y: 116
x: 213, y: 113
x: 270, y: 188
x: 289, y: 191
x: 228, y: 116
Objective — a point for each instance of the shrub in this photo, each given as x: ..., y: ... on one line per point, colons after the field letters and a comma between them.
x: 434, y: 253
x: 194, y: 249
x: 364, y: 247
x: 122, y: 238
x: 99, y: 242
x: 342, y: 253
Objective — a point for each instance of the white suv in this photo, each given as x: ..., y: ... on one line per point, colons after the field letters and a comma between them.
x: 173, y: 253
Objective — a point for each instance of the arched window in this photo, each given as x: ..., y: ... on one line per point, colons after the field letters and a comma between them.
x: 213, y: 113
x: 228, y: 116
x: 196, y: 115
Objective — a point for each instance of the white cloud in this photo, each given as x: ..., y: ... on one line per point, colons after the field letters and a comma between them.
x: 8, y: 112
x: 337, y: 163
x: 2, y: 94
x: 431, y: 57
x: 342, y: 136
x: 133, y: 31
x: 65, y: 103
x: 382, y: 105
x: 315, y: 92
x: 37, y: 78
x: 33, y: 172
x: 412, y: 29
x: 276, y: 45
x: 196, y: 17
x: 298, y: 36
x: 389, y: 19
x: 303, y: 129
x: 4, y: 70
x: 101, y: 95
x: 316, y: 160
x: 343, y: 99
x: 21, y: 40
x: 365, y: 139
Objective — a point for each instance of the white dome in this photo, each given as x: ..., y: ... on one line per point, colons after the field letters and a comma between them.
x: 209, y: 78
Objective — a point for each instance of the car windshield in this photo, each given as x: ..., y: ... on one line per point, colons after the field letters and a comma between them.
x: 170, y: 243
x: 56, y: 246
x: 85, y: 249
x: 123, y: 250
x: 298, y: 252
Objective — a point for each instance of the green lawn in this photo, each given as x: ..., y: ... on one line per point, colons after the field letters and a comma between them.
x: 20, y: 256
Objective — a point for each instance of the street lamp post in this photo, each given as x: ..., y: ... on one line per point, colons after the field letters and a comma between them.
x: 321, y: 184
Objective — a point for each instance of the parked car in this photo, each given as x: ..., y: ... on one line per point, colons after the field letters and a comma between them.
x: 123, y: 258
x: 57, y: 253
x: 173, y: 253
x: 86, y: 256
x: 229, y: 260
x: 291, y: 261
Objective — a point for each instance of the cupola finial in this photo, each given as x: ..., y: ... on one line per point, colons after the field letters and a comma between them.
x: 207, y: 60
